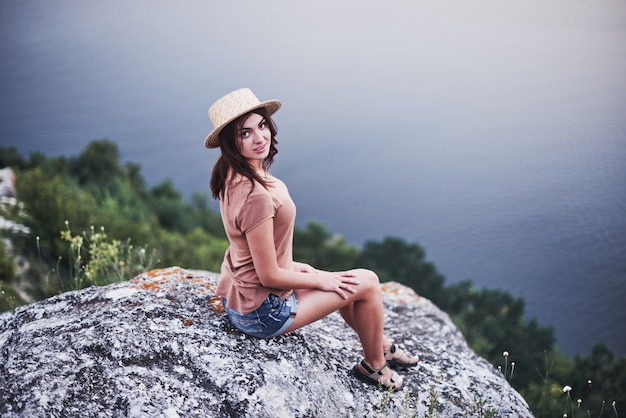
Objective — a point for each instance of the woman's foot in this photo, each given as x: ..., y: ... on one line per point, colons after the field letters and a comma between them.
x: 385, y: 378
x: 397, y: 358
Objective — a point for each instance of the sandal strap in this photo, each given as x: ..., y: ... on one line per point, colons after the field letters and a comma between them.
x: 369, y: 369
x: 391, y: 382
x: 402, y: 358
x: 392, y: 350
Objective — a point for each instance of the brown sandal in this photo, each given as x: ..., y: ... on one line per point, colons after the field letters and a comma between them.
x: 368, y: 375
x: 397, y: 358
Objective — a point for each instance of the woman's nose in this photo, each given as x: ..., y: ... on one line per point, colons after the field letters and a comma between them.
x: 258, y: 136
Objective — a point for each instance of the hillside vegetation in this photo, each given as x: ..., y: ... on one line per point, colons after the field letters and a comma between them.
x: 93, y: 220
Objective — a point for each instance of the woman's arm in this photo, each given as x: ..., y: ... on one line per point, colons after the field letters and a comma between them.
x: 261, y: 242
x: 303, y: 267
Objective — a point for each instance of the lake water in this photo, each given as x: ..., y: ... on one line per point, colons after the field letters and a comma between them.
x: 491, y: 133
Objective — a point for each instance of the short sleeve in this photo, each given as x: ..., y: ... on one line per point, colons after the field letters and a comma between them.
x: 255, y: 210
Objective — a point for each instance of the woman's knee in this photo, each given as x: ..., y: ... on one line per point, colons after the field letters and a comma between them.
x: 368, y: 279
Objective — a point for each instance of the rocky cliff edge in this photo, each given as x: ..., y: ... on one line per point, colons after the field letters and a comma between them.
x: 160, y: 346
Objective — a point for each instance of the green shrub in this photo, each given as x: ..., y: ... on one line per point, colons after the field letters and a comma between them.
x: 316, y: 246
x: 48, y: 202
x: 94, y: 259
x: 394, y: 259
x: 195, y: 250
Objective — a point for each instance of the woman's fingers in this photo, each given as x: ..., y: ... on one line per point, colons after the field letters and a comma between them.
x: 348, y: 281
x: 349, y: 275
x: 340, y: 283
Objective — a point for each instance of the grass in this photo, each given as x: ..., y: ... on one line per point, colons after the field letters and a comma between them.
x: 94, y: 259
x: 559, y: 401
x: 6, y: 300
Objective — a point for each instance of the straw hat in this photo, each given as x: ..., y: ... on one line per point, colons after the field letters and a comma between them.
x: 228, y: 108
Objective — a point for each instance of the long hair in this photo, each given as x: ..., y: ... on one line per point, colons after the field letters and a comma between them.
x: 231, y: 158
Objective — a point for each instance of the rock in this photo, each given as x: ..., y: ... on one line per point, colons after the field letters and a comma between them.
x: 7, y: 182
x: 7, y: 203
x: 160, y: 346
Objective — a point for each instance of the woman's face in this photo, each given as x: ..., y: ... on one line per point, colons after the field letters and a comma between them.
x: 254, y: 139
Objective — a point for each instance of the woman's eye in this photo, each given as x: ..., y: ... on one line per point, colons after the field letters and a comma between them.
x: 245, y: 134
x: 262, y: 125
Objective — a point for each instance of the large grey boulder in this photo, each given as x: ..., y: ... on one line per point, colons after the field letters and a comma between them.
x: 160, y: 346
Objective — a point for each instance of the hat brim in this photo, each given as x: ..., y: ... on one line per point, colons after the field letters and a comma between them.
x: 212, y: 139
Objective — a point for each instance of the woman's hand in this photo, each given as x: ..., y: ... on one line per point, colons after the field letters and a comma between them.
x: 339, y: 282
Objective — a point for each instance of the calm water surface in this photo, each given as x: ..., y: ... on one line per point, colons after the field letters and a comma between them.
x: 491, y: 134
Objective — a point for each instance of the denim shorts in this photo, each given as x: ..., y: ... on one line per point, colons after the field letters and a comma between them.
x: 271, y: 319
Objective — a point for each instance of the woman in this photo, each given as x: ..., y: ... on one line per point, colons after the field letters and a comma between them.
x: 266, y: 293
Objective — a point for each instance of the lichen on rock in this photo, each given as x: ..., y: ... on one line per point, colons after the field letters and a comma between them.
x: 160, y: 346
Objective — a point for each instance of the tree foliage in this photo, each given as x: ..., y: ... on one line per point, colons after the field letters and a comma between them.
x: 393, y: 259
x: 96, y: 189
x: 316, y: 246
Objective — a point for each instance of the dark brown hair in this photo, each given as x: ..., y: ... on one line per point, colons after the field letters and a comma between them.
x: 231, y: 157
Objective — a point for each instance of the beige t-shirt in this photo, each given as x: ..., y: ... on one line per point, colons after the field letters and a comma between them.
x: 242, y: 209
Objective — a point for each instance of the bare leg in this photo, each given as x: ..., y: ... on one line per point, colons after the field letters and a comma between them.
x: 348, y: 315
x: 397, y: 358
x: 364, y: 310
